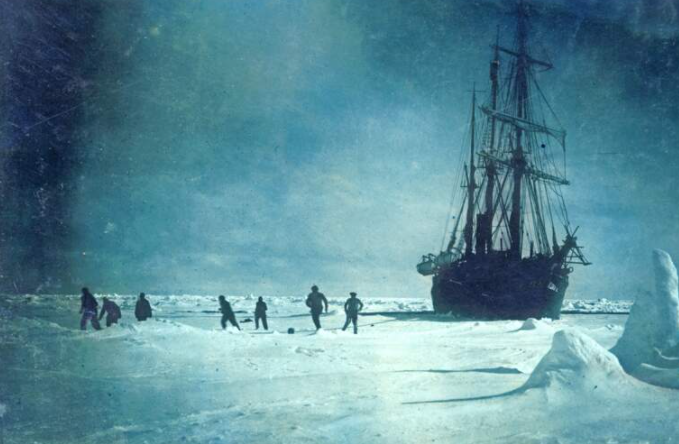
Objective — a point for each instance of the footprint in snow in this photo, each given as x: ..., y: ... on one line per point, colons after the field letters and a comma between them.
x: 309, y: 351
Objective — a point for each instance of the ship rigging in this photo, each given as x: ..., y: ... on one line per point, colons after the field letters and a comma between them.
x: 506, y: 261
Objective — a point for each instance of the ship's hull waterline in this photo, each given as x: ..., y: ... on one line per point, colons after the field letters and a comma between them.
x: 501, y: 288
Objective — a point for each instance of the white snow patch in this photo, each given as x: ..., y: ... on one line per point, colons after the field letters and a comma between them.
x: 601, y: 305
x: 311, y: 352
x: 576, y: 362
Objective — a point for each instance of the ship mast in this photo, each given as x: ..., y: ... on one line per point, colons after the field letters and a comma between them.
x: 471, y: 184
x: 517, y: 165
x: 518, y: 160
x: 490, y: 165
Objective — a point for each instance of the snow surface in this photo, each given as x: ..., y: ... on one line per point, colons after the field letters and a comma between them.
x: 407, y: 377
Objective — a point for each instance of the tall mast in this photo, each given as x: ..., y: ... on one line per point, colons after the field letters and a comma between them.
x: 518, y: 160
x: 471, y: 184
x: 490, y: 165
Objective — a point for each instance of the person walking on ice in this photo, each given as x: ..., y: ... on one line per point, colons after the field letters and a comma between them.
x: 227, y: 313
x: 260, y: 313
x: 351, y: 307
x: 88, y: 308
x: 315, y: 301
x: 112, y: 312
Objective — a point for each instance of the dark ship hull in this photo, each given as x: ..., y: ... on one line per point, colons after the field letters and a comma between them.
x: 498, y: 287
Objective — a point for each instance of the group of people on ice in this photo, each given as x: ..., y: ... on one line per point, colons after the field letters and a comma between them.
x: 316, y: 301
x: 89, y: 307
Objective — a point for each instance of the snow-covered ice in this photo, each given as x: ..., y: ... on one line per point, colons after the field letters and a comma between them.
x: 649, y: 346
x: 601, y: 305
x: 575, y: 363
x: 407, y: 377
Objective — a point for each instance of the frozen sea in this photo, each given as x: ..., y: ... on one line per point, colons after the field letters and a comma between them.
x: 408, y: 377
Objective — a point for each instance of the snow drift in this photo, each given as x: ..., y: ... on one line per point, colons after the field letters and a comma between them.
x: 534, y: 324
x: 648, y: 348
x: 577, y: 362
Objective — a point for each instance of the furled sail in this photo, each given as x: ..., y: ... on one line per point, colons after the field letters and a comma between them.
x: 527, y: 125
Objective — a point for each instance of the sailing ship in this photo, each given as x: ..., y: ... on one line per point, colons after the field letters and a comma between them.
x: 502, y: 264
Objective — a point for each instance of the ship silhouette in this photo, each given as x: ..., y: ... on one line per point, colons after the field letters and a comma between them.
x: 503, y: 258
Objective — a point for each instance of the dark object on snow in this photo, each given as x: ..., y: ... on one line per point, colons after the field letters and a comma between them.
x: 260, y: 314
x: 351, y: 307
x: 88, y: 308
x: 143, y: 309
x: 227, y: 313
x: 316, y: 301
x: 291, y: 331
x: 503, y: 264
x: 112, y: 312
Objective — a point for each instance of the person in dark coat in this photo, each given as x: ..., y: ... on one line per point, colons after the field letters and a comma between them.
x: 260, y: 313
x: 143, y: 309
x: 227, y: 313
x: 112, y: 312
x: 88, y: 308
x: 315, y: 301
x: 351, y: 307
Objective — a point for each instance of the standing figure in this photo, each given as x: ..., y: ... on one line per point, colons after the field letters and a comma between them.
x: 112, y: 312
x: 260, y: 313
x: 88, y: 308
x: 315, y: 301
x: 227, y: 313
x: 143, y: 309
x: 351, y: 307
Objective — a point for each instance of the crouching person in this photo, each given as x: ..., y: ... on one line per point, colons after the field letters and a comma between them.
x: 112, y: 312
x: 88, y: 308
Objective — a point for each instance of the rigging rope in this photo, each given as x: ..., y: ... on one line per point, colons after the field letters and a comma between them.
x: 457, y: 185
